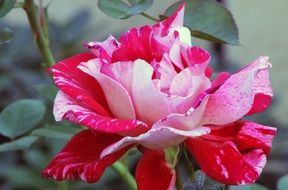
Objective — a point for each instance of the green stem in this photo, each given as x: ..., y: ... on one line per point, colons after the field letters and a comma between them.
x: 150, y: 17
x: 18, y: 5
x: 124, y: 173
x: 63, y: 185
x: 179, y: 185
x: 190, y: 167
x: 41, y: 41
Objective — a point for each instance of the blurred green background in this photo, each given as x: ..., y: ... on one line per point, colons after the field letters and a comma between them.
x: 263, y: 30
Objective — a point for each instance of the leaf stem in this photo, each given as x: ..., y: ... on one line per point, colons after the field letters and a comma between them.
x: 124, y: 173
x: 150, y: 17
x: 41, y: 41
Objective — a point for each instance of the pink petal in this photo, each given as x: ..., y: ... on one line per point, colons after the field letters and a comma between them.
x: 261, y: 87
x: 118, y: 98
x: 150, y: 104
x: 187, y: 121
x: 182, y: 84
x: 157, y: 138
x: 153, y: 172
x: 79, y: 85
x: 233, y: 154
x: 103, y: 50
x: 167, y: 73
x: 170, y: 131
x: 175, y: 55
x: 218, y: 81
x: 190, y: 84
x: 235, y: 97
x: 79, y: 159
x: 67, y: 108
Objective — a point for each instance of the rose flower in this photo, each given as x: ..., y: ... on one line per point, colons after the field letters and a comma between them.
x: 152, y: 89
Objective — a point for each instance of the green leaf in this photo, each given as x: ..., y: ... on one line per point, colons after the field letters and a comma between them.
x: 201, y: 181
x: 20, y: 144
x: 57, y: 132
x: 249, y: 187
x: 20, y: 117
x: 209, y: 20
x: 47, y: 90
x: 171, y: 155
x: 6, y: 35
x: 121, y: 10
x: 6, y: 6
x: 21, y: 176
x: 282, y: 184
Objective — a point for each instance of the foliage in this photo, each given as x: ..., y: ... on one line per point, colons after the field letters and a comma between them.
x: 206, y: 19
x: 6, y: 6
x: 121, y: 10
x: 209, y: 20
x: 20, y: 117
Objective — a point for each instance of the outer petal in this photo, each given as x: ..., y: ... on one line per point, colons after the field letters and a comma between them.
x: 253, y: 135
x: 79, y: 85
x: 67, y: 108
x: 153, y: 172
x: 261, y: 87
x: 233, y: 154
x: 117, y: 96
x: 235, y: 97
x: 79, y: 159
x: 158, y: 138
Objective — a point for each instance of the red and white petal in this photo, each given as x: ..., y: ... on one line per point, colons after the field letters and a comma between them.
x: 157, y: 138
x: 234, y: 153
x: 80, y: 158
x: 197, y: 58
x: 235, y: 97
x: 153, y: 172
x: 253, y: 135
x: 224, y: 163
x: 78, y: 85
x: 68, y: 108
x: 175, y: 20
x: 117, y: 96
x: 134, y: 45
